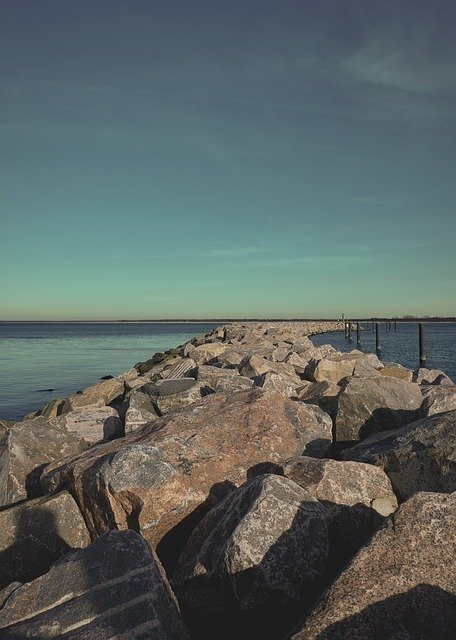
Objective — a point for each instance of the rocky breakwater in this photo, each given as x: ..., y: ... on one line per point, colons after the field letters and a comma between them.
x: 245, y: 484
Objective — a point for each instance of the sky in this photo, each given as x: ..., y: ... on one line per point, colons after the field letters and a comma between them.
x: 236, y: 158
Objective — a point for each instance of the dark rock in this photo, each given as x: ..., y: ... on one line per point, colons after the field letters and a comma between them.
x: 36, y: 533
x: 113, y: 589
x: 438, y: 398
x: 400, y: 585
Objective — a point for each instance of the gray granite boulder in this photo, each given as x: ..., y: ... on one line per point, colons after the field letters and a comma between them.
x: 336, y: 366
x: 115, y: 588
x: 139, y: 409
x: 265, y: 545
x: 400, y: 585
x: 417, y: 457
x: 36, y: 533
x: 272, y: 382
x: 431, y: 376
x: 25, y: 449
x: 372, y: 404
x: 99, y: 394
x: 438, y: 398
x: 324, y: 394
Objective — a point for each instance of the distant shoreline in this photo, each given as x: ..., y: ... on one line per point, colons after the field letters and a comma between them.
x: 231, y: 320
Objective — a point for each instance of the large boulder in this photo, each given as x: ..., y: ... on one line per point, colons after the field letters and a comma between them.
x: 400, y: 585
x: 206, y: 353
x: 417, y: 457
x: 372, y: 404
x: 395, y: 370
x: 272, y: 382
x: 99, y: 394
x: 336, y: 366
x: 323, y: 394
x: 153, y: 479
x: 172, y: 394
x: 357, y: 497
x: 36, y: 533
x: 92, y: 423
x: 113, y: 589
x: 25, y: 449
x: 218, y: 380
x: 431, y: 376
x: 438, y: 398
x: 140, y: 409
x: 265, y: 545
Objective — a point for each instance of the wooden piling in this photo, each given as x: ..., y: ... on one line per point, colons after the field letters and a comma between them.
x: 377, y: 336
x: 422, y: 344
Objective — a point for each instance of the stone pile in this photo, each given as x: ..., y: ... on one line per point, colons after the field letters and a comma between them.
x: 245, y: 484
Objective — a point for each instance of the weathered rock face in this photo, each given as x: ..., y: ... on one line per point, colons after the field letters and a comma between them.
x: 99, y: 394
x: 356, y: 496
x: 24, y: 450
x: 152, y: 479
x: 181, y: 369
x: 36, y: 533
x: 417, y: 457
x: 431, y: 376
x: 323, y: 394
x: 400, y: 585
x: 369, y: 405
x: 272, y: 382
x: 140, y: 410
x: 52, y: 409
x: 336, y: 366
x: 206, y: 353
x: 438, y: 398
x: 265, y: 545
x: 170, y: 395
x: 93, y: 424
x: 395, y: 370
x: 113, y: 589
x: 218, y: 380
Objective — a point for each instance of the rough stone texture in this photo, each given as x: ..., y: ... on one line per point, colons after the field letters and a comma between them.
x: 431, y: 376
x: 357, y: 496
x: 171, y: 395
x: 182, y: 368
x: 92, y: 423
x: 336, y: 366
x: 323, y: 394
x: 265, y: 545
x: 53, y: 408
x: 298, y: 362
x: 369, y: 405
x: 401, y: 585
x: 36, y: 533
x: 395, y: 370
x: 99, y: 394
x: 209, y: 376
x: 113, y: 589
x: 272, y: 382
x: 206, y: 353
x: 24, y: 450
x: 156, y: 477
x: 417, y: 457
x: 438, y: 398
x: 141, y: 410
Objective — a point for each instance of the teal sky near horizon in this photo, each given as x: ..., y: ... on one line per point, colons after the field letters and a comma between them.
x: 263, y: 158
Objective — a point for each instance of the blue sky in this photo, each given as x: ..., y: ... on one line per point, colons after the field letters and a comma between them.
x: 283, y: 158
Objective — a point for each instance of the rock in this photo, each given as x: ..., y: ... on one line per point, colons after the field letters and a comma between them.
x: 24, y: 450
x: 5, y: 425
x: 438, y: 398
x: 154, y: 478
x: 298, y: 363
x: 206, y: 353
x: 265, y: 545
x: 431, y: 376
x: 279, y: 354
x: 323, y: 394
x: 170, y: 395
x: 395, y: 370
x: 254, y: 366
x: 36, y: 533
x: 400, y: 585
x: 336, y: 366
x: 231, y: 358
x: 209, y: 376
x: 99, y: 394
x: 113, y: 589
x: 92, y: 424
x: 140, y: 410
x: 302, y: 345
x: 417, y: 457
x: 272, y: 382
x: 53, y: 408
x: 369, y: 405
x: 233, y: 384
x: 145, y: 367
x: 357, y: 497
x: 182, y: 368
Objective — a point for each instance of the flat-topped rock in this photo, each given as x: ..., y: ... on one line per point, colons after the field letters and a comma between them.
x: 36, y: 533
x: 438, y: 398
x: 92, y: 423
x: 99, y: 394
x: 336, y: 366
x: 115, y: 588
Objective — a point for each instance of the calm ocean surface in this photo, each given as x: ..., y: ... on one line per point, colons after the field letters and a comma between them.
x: 69, y: 356
x: 66, y: 357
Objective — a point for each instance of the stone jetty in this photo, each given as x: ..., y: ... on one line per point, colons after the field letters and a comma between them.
x: 246, y: 484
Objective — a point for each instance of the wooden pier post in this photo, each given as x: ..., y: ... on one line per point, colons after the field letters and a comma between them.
x: 377, y: 336
x: 358, y: 333
x: 422, y: 345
